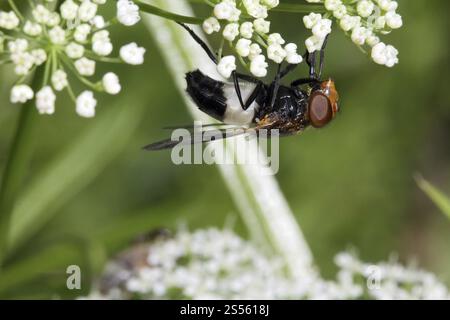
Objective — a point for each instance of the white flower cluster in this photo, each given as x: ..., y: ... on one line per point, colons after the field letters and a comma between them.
x: 73, y: 39
x: 207, y: 264
x: 363, y: 21
x: 390, y: 280
x: 320, y: 27
x: 217, y: 264
x: 248, y: 37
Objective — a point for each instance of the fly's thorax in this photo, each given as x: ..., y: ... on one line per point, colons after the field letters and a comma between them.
x: 290, y: 103
x: 289, y: 112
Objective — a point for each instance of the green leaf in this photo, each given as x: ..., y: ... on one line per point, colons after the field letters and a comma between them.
x: 439, y: 198
x: 299, y: 8
x: 91, y: 253
x: 45, y: 262
x: 73, y: 169
x: 17, y: 165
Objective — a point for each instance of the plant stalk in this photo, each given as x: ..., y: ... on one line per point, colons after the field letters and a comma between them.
x: 299, y: 8
x: 148, y: 8
x: 258, y: 197
x: 437, y: 196
x: 282, y: 7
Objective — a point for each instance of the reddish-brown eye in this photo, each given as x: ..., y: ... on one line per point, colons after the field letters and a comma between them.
x: 320, y: 110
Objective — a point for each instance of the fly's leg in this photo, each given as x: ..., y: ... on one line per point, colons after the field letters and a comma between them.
x: 213, y: 57
x: 247, y: 78
x: 311, y: 61
x: 205, y: 47
x: 237, y: 88
x: 300, y: 82
x: 287, y: 70
x: 276, y: 86
x: 322, y: 56
x: 253, y: 96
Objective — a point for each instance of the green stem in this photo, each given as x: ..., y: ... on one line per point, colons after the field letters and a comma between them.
x: 298, y: 8
x: 46, y: 77
x: 148, y: 8
x: 93, y: 56
x: 220, y: 52
x: 283, y: 7
x: 65, y: 60
x: 71, y: 93
x: 436, y: 195
x: 16, y: 166
x: 258, y: 197
x: 13, y: 6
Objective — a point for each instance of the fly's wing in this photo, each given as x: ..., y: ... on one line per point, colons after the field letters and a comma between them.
x: 208, y: 125
x: 219, y: 133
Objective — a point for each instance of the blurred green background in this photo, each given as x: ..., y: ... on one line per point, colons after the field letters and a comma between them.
x: 90, y: 189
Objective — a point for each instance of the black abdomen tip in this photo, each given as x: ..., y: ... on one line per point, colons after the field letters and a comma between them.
x: 207, y: 94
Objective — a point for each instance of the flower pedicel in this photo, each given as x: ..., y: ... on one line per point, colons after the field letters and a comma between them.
x: 76, y: 39
x: 363, y: 21
x: 244, y: 25
x: 71, y: 40
x: 245, y: 28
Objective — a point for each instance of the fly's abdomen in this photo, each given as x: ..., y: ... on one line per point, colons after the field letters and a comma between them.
x: 207, y: 93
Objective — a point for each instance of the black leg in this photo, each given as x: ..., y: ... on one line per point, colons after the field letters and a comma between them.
x: 205, y: 47
x: 253, y: 96
x: 299, y: 82
x: 237, y: 88
x: 247, y: 78
x: 312, y: 65
x: 276, y: 86
x: 311, y: 61
x: 213, y: 57
x: 287, y: 70
x: 307, y: 58
x: 322, y: 56
x: 236, y: 75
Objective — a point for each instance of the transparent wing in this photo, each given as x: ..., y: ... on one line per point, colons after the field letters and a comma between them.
x: 206, y: 136
x: 219, y: 125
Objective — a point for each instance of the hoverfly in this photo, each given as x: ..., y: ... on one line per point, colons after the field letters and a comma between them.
x: 251, y: 105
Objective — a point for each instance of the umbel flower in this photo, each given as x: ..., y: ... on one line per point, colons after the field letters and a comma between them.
x: 244, y: 26
x: 362, y: 20
x: 71, y: 40
x: 217, y: 264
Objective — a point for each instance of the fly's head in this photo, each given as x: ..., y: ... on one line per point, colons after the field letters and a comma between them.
x: 323, y: 104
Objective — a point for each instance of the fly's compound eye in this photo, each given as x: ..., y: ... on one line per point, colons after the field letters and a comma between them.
x: 320, y: 110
